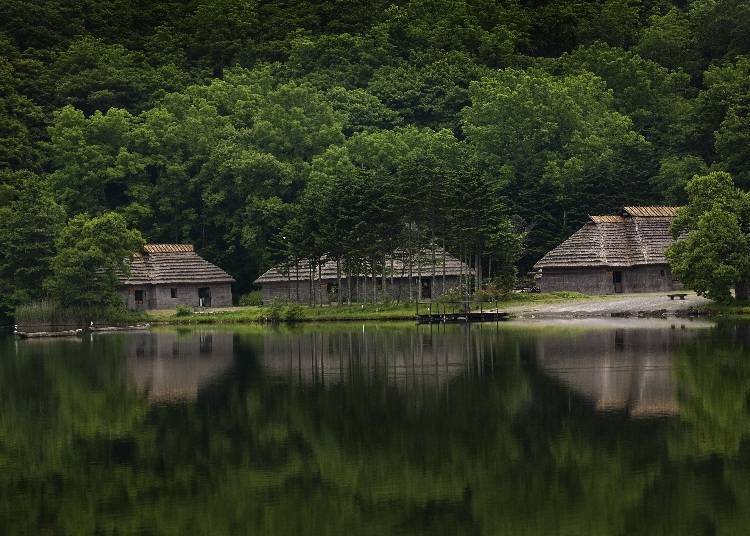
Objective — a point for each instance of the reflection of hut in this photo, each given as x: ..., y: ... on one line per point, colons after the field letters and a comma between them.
x: 620, y: 369
x: 406, y: 359
x: 171, y: 366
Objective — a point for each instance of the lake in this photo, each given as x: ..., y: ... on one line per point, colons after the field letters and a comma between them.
x: 601, y: 427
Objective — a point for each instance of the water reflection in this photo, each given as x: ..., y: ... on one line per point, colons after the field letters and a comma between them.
x: 407, y: 359
x: 626, y: 368
x: 522, y: 429
x: 172, y: 365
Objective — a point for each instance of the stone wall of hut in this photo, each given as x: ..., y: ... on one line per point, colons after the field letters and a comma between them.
x: 160, y: 296
x: 648, y: 278
x: 361, y: 289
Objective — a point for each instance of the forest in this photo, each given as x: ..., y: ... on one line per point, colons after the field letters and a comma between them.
x: 261, y: 130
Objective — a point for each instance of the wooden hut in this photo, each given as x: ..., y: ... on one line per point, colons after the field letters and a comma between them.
x: 424, y: 275
x: 164, y: 276
x: 613, y: 254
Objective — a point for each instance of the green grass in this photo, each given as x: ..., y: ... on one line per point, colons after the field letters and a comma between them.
x: 328, y: 313
x: 50, y: 313
x: 737, y: 310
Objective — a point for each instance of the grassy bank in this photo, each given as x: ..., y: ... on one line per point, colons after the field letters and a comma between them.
x: 50, y: 314
x: 734, y: 311
x: 306, y: 313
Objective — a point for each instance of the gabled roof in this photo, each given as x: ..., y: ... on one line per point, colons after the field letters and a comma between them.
x: 638, y: 237
x: 172, y: 263
x: 328, y: 270
x: 168, y: 248
x: 651, y: 212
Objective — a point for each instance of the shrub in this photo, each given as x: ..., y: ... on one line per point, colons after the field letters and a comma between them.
x: 251, y: 298
x: 184, y: 310
x: 274, y: 313
x: 293, y: 312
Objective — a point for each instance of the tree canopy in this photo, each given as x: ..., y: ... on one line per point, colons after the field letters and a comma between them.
x: 713, y: 253
x: 214, y: 121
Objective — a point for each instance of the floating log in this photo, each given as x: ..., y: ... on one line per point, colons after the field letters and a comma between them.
x: 137, y: 327
x: 48, y: 334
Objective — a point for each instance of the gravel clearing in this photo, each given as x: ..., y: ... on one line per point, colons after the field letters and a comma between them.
x: 645, y: 304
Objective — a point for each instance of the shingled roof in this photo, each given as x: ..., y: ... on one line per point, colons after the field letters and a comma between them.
x: 641, y: 235
x: 453, y: 267
x: 172, y: 263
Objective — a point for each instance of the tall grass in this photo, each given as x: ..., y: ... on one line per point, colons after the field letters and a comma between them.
x: 53, y: 314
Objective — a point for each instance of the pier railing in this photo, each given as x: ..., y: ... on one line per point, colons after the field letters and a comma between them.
x: 443, y: 311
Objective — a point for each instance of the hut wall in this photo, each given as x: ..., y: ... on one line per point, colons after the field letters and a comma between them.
x: 286, y: 290
x: 128, y: 297
x: 586, y: 280
x: 187, y: 294
x: 647, y: 278
x: 160, y: 296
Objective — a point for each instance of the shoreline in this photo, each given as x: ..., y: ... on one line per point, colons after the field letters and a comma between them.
x: 553, y: 306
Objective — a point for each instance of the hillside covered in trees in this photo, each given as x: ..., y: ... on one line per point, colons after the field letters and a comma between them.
x: 264, y: 129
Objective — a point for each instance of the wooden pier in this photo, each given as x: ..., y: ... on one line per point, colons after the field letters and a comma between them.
x: 457, y: 312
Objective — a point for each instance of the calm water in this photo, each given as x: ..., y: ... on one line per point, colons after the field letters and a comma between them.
x: 570, y: 428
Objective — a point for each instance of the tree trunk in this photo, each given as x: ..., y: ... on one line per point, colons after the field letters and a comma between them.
x: 742, y: 290
x: 444, y: 253
x: 311, y: 297
x: 384, y: 286
x: 478, y: 270
x: 338, y: 281
x: 296, y: 268
x: 320, y: 283
x: 349, y: 282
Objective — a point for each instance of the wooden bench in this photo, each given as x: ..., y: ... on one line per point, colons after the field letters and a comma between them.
x: 677, y: 295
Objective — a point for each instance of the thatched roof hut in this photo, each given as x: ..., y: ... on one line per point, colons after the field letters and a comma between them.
x: 432, y: 272
x: 163, y: 276
x: 614, y: 253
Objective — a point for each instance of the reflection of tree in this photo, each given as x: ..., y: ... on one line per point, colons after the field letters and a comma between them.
x: 64, y: 408
x: 499, y: 449
x: 714, y: 376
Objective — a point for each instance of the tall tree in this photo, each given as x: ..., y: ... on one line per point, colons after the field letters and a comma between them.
x: 30, y: 221
x: 711, y: 253
x: 91, y: 254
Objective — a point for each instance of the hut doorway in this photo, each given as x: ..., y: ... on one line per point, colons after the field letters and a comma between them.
x: 204, y: 296
x: 617, y: 280
x: 138, y: 299
x: 426, y: 288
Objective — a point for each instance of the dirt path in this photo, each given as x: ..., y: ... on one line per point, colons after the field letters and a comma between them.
x: 646, y: 304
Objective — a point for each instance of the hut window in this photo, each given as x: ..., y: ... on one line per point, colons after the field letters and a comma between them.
x: 661, y: 273
x: 173, y: 291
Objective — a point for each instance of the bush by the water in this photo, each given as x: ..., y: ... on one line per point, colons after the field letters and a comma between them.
x: 183, y: 310
x: 279, y: 311
x: 251, y: 298
x: 293, y: 312
x: 48, y: 312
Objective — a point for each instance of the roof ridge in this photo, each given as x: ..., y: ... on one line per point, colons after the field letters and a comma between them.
x: 602, y: 249
x: 638, y: 237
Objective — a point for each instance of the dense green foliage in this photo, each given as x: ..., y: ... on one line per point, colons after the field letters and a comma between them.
x: 260, y: 130
x: 714, y: 253
x: 91, y: 254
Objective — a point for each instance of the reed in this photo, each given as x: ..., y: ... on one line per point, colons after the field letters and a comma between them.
x: 51, y: 313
